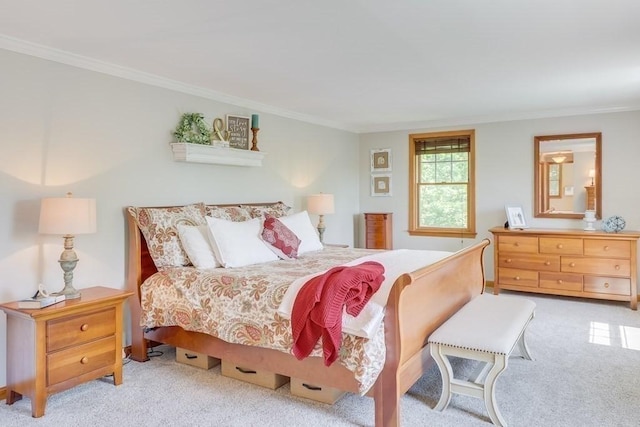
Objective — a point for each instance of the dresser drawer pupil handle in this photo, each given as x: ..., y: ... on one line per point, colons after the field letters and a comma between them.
x: 84, y: 327
x: 606, y: 248
x: 559, y: 281
x: 547, y: 263
x: 508, y: 260
x: 606, y: 284
x: 84, y: 360
x: 516, y: 244
x: 572, y: 264
x: 617, y: 267
x: 560, y: 246
x: 517, y: 277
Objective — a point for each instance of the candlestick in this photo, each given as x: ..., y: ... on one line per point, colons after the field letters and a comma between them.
x: 255, y: 123
x: 254, y: 141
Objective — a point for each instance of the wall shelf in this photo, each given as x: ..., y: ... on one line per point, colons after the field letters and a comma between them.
x: 198, y: 153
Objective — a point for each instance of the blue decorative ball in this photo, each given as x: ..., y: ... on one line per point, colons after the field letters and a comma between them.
x: 614, y: 224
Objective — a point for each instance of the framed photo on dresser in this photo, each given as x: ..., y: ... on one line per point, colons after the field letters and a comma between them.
x: 515, y: 217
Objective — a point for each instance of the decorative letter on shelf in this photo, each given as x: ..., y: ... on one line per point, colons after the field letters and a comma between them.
x: 197, y: 153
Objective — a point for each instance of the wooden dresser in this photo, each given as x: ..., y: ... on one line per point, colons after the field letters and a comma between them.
x: 63, y: 345
x: 378, y: 230
x: 589, y: 264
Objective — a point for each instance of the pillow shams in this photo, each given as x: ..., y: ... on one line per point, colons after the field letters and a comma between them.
x: 195, y: 241
x: 300, y: 224
x: 237, y: 244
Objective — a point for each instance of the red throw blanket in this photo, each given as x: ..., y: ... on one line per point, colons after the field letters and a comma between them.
x: 317, y: 310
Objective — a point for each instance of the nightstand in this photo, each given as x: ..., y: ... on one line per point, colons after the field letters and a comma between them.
x: 58, y: 347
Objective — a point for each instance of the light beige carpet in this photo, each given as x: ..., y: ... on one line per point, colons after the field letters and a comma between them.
x: 585, y: 373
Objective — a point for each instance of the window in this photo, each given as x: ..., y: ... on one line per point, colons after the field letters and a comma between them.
x: 555, y: 180
x: 441, y: 173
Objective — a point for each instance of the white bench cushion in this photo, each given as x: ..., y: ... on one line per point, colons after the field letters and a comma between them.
x: 489, y: 323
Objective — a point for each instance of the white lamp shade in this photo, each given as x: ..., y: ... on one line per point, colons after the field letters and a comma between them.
x: 67, y: 215
x: 592, y: 173
x: 320, y: 204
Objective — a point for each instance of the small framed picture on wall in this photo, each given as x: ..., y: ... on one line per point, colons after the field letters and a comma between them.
x: 381, y: 160
x: 381, y: 185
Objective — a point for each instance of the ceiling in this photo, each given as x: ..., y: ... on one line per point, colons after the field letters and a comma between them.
x: 358, y: 65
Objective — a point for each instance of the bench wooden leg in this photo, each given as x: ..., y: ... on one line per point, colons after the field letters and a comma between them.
x: 446, y: 372
x: 499, y: 366
x: 524, y: 349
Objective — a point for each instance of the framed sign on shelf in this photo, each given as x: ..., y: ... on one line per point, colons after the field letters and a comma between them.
x: 381, y: 185
x: 381, y: 160
x: 239, y: 128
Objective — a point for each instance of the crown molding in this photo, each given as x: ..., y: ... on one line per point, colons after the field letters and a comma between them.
x: 495, y: 118
x: 79, y: 61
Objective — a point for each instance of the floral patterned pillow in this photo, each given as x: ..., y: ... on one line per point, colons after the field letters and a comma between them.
x: 229, y: 213
x: 159, y: 228
x: 276, y: 210
x: 281, y: 240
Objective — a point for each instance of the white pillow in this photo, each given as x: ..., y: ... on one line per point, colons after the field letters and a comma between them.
x: 195, y: 242
x: 237, y: 244
x: 300, y: 224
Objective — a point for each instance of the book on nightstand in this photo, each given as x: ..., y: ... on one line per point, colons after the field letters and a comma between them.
x: 40, y: 302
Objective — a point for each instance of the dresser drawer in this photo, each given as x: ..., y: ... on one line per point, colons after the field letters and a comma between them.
x: 376, y: 217
x: 599, y: 266
x: 529, y: 262
x: 75, y: 361
x: 79, y: 329
x: 607, y: 248
x: 521, y: 244
x: 607, y: 285
x: 563, y: 281
x: 515, y: 277
x: 560, y: 246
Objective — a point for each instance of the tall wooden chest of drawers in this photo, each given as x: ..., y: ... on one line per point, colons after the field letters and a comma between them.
x: 589, y: 264
x: 378, y: 230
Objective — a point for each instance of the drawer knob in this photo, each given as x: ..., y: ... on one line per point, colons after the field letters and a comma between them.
x: 547, y: 263
x: 573, y: 264
x: 517, y: 277
x: 84, y: 360
x: 617, y: 267
x: 84, y: 327
x: 508, y: 260
x: 516, y: 244
x: 560, y: 281
x: 606, y: 248
x: 606, y: 284
x: 560, y: 246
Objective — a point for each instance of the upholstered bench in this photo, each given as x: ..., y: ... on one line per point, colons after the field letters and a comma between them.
x: 486, y: 329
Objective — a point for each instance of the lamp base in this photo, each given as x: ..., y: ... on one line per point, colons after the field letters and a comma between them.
x: 69, y: 292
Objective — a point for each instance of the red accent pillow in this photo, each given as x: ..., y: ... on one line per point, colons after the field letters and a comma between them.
x: 281, y: 240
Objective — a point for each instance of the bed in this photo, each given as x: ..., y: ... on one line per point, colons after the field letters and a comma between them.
x: 386, y: 366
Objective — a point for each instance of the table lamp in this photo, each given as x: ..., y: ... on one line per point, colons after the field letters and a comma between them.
x: 320, y: 204
x: 68, y: 216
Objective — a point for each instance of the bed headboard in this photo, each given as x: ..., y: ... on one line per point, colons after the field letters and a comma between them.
x: 140, y: 265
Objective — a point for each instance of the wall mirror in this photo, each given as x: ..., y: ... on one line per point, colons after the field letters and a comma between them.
x: 568, y: 175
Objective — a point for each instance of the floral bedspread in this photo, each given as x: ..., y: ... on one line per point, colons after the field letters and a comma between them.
x: 239, y: 305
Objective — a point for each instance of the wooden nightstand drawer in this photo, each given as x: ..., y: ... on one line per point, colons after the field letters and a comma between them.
x: 76, y: 361
x: 80, y: 329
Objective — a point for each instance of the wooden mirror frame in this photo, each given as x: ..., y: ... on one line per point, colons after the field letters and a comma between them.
x: 538, y: 193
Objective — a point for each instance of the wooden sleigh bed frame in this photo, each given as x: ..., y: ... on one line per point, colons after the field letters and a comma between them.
x: 419, y: 302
